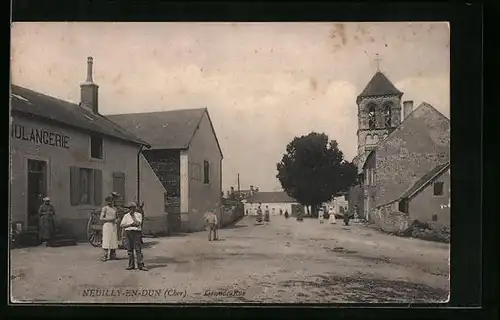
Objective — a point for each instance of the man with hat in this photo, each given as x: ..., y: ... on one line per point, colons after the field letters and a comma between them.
x: 132, y: 222
x: 46, y: 214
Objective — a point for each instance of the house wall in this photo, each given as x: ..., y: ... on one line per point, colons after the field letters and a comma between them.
x: 425, y: 204
x: 203, y: 197
x: 118, y: 157
x: 153, y: 194
x: 166, y: 165
x: 419, y: 144
x: 370, y: 185
x: 356, y: 198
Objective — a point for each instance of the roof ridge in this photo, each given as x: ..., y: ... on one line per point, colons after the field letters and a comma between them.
x: 153, y: 112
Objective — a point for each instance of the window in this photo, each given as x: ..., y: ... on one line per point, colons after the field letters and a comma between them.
x: 403, y: 205
x: 206, y: 172
x: 434, y: 217
x: 85, y: 186
x: 368, y: 140
x: 96, y: 147
x: 387, y: 116
x: 438, y: 188
x: 195, y: 171
x: 371, y: 117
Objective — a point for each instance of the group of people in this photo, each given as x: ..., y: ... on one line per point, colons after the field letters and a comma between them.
x: 331, y: 216
x: 263, y: 216
x: 132, y: 228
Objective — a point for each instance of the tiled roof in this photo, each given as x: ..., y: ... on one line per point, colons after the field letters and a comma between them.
x: 33, y: 103
x: 426, y: 179
x: 270, y: 197
x: 379, y: 85
x: 163, y: 129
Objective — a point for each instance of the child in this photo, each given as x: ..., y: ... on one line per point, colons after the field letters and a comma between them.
x: 211, y: 219
x: 321, y: 216
x: 132, y: 222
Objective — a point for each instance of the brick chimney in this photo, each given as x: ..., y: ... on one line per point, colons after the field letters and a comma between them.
x: 407, y: 108
x: 89, y: 90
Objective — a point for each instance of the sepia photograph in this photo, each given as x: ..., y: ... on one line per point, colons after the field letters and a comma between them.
x: 219, y: 162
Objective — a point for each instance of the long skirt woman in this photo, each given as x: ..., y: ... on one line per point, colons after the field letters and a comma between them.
x: 109, y: 240
x: 47, y: 227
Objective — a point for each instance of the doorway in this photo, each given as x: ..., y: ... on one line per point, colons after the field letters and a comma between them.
x: 37, y: 189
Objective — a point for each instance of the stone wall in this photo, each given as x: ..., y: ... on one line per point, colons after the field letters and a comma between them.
x: 390, y: 219
x: 166, y: 165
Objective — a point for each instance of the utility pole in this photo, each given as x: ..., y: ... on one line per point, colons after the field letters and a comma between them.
x: 239, y: 184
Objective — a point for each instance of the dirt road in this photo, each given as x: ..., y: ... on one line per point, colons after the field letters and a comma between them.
x: 282, y: 262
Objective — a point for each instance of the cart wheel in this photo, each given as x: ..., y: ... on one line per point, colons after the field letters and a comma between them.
x: 94, y: 236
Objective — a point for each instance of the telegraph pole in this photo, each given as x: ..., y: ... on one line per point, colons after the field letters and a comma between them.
x: 239, y: 184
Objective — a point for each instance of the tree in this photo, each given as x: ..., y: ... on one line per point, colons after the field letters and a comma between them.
x: 313, y: 170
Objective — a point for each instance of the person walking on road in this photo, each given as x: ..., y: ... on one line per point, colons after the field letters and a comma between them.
x: 267, y: 215
x: 109, y: 230
x: 211, y: 219
x: 259, y: 214
x: 132, y: 222
x: 321, y: 216
x: 332, y: 215
x: 286, y: 214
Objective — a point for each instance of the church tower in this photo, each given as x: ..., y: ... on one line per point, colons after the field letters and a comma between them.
x: 379, y: 113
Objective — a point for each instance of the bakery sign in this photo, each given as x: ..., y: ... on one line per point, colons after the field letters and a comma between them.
x: 39, y: 136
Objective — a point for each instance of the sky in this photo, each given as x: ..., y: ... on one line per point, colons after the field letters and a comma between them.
x: 263, y: 83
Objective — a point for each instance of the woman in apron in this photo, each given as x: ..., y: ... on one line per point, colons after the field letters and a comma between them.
x: 109, y: 230
x: 332, y: 215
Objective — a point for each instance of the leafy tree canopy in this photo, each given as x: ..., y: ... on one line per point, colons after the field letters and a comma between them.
x: 313, y: 169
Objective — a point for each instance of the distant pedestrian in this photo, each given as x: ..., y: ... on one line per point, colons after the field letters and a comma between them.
x: 132, y: 222
x: 212, y: 222
x: 266, y: 214
x: 281, y: 212
x: 347, y: 216
x: 259, y: 215
x: 46, y: 220
x: 286, y: 214
x: 321, y: 216
x: 332, y: 215
x: 300, y: 216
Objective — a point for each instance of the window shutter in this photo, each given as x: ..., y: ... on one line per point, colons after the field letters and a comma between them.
x: 74, y: 181
x: 97, y: 187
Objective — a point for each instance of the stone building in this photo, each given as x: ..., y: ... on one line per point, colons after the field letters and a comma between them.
x: 76, y: 156
x: 397, y: 147
x: 411, y: 156
x: 186, y: 156
x: 379, y: 113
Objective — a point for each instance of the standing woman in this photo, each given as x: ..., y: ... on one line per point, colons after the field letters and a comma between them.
x: 109, y: 230
x: 46, y: 221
